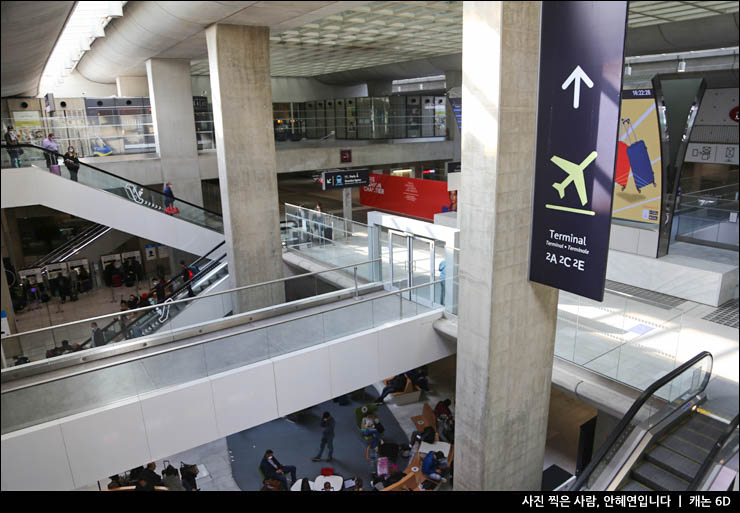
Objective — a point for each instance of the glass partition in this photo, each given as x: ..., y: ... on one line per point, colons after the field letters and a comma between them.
x: 709, y: 217
x: 27, y: 406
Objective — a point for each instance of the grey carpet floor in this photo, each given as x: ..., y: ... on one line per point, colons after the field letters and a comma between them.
x: 296, y: 441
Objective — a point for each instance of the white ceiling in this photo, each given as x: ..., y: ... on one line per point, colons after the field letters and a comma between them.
x: 642, y: 14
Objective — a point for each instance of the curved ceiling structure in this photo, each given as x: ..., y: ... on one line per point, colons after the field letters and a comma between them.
x: 29, y: 32
x: 719, y: 31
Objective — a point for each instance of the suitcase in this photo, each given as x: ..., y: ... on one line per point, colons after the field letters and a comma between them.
x: 171, y: 210
x: 642, y: 169
x: 54, y: 168
x: 622, y: 173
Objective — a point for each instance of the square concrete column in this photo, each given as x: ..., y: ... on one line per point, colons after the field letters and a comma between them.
x: 239, y: 60
x: 506, y: 327
x: 171, y: 97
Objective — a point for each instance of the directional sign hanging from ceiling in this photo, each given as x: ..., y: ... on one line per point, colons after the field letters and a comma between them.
x: 581, y: 60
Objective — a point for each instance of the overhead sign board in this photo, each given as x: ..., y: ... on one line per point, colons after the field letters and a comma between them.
x: 580, y: 79
x: 345, y: 178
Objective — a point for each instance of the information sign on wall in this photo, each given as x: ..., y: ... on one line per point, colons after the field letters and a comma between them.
x: 345, y: 178
x: 580, y: 79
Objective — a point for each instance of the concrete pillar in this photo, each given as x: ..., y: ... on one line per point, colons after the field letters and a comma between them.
x: 506, y: 324
x: 132, y: 86
x: 380, y: 88
x: 171, y: 98
x: 11, y: 239
x: 239, y: 60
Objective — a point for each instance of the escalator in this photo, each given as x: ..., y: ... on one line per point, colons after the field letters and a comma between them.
x: 212, y: 270
x: 108, y: 199
x: 72, y: 246
x: 665, y: 442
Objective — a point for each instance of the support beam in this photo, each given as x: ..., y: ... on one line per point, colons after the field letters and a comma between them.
x: 239, y: 60
x: 506, y: 324
x: 171, y: 98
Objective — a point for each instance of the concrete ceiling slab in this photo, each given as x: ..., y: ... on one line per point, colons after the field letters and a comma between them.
x: 28, y: 33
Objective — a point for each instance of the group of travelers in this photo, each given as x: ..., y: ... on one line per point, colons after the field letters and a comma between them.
x: 15, y: 150
x: 145, y: 478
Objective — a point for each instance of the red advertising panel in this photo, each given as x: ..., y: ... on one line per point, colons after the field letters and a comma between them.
x: 419, y: 198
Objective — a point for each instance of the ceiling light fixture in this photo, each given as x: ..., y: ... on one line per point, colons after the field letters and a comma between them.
x: 681, y: 66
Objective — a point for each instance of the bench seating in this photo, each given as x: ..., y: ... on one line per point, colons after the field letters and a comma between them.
x: 411, y: 393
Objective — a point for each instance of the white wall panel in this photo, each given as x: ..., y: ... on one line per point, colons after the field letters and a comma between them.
x: 244, y: 397
x: 179, y: 418
x: 302, y: 379
x: 353, y: 362
x: 409, y: 345
x: 102, y: 442
x: 35, y: 459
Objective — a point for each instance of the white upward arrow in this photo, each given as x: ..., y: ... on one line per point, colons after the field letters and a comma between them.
x: 576, y: 77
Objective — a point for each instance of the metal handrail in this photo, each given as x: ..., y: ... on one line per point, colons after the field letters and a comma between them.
x: 218, y: 337
x: 153, y: 307
x: 639, y: 402
x: 712, y: 454
x: 59, y: 155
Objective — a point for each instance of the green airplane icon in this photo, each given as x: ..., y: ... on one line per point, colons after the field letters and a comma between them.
x: 575, y: 175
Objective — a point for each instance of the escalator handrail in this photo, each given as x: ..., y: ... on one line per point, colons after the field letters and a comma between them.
x: 153, y: 313
x: 168, y: 283
x: 713, y: 454
x: 639, y: 402
x: 61, y: 156
x: 49, y: 257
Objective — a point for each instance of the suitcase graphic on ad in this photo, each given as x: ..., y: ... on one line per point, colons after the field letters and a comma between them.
x: 622, y: 173
x: 642, y: 169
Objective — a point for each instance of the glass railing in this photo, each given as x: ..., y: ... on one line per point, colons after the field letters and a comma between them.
x: 93, y: 136
x: 31, y: 347
x: 70, y: 247
x: 100, y: 179
x: 25, y: 405
x: 628, y: 339
x: 666, y: 396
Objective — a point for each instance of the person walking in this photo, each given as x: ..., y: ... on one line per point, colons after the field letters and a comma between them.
x: 13, y: 147
x: 159, y: 290
x: 96, y: 339
x: 72, y: 163
x: 169, y: 196
x: 50, y: 144
x: 442, y: 277
x: 327, y: 436
x: 187, y: 275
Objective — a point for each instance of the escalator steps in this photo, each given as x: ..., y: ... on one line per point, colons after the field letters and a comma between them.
x: 673, y: 462
x: 707, y: 426
x: 684, y: 448
x: 658, y: 479
x: 634, y: 486
x: 687, y: 433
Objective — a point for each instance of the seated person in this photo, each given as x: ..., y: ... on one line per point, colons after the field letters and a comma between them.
x: 443, y: 408
x: 369, y: 427
x: 172, y: 479
x: 328, y: 487
x: 419, y: 378
x: 273, y: 469
x: 397, y: 384
x: 434, y: 465
x: 394, y: 477
x: 115, y: 482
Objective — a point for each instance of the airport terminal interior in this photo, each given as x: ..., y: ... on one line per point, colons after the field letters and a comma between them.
x: 261, y: 246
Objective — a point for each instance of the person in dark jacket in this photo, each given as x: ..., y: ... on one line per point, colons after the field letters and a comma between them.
x: 159, y: 290
x: 150, y: 477
x: 327, y: 436
x: 397, y: 384
x: 169, y: 196
x: 72, y: 163
x: 419, y: 378
x: 272, y: 469
x: 13, y: 147
x: 97, y: 339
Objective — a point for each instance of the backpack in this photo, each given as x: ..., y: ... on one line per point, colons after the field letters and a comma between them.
x: 428, y: 435
x: 190, y: 273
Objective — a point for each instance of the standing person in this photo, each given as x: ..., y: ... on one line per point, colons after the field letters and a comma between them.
x: 72, y: 163
x: 50, y: 144
x: 318, y: 224
x: 187, y: 275
x: 442, y: 277
x: 171, y: 479
x: 169, y: 196
x: 14, y: 149
x: 272, y: 469
x: 327, y: 436
x: 159, y: 290
x: 97, y: 339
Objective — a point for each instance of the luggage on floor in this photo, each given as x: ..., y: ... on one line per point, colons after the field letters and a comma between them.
x: 171, y: 210
x: 327, y: 471
x: 642, y: 169
x: 622, y: 173
x: 383, y: 467
x: 54, y: 168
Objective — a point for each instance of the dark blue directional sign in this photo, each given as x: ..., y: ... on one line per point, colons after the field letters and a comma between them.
x: 345, y: 178
x: 581, y: 60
